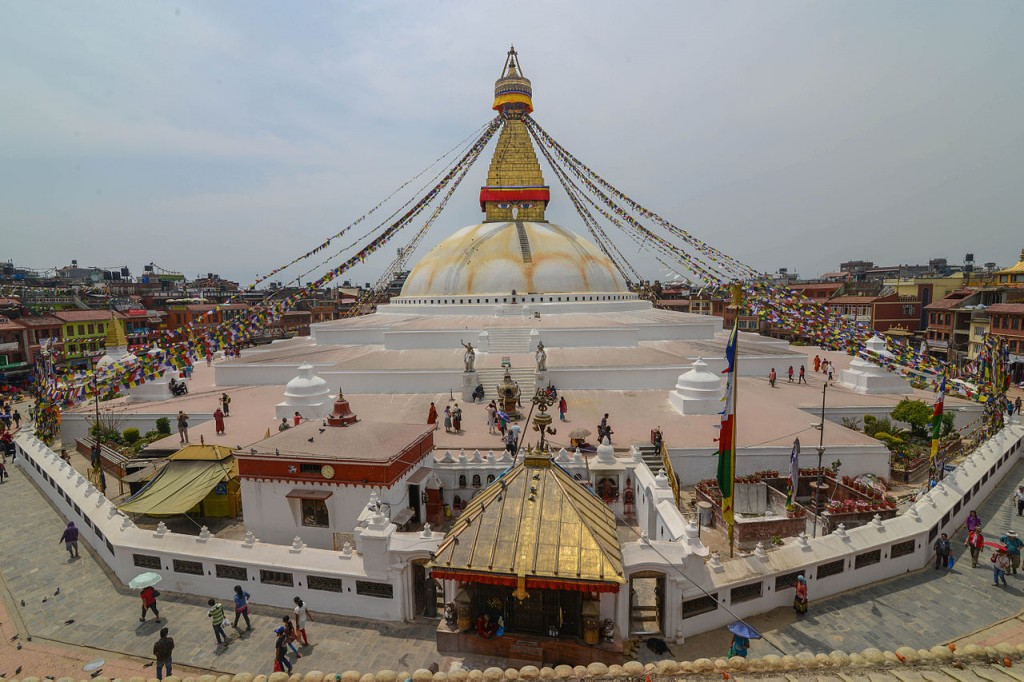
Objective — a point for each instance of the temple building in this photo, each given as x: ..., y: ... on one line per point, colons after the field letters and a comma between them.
x: 369, y: 470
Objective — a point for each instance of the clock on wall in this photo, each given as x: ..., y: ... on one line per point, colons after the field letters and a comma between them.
x: 327, y: 471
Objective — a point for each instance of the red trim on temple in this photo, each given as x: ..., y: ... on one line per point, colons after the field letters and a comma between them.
x: 534, y: 583
x: 502, y: 194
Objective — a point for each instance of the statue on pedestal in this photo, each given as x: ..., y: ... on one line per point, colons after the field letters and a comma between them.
x: 470, y: 356
x: 542, y: 357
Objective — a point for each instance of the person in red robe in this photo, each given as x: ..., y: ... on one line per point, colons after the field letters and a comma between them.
x: 432, y: 415
x: 484, y: 627
x: 218, y: 418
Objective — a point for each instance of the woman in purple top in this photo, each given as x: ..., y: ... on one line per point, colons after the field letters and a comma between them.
x: 973, y: 522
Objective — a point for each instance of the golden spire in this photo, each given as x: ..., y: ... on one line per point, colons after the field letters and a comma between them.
x: 115, y: 335
x: 515, y: 187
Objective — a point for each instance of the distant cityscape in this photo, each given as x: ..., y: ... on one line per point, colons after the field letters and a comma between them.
x: 945, y: 309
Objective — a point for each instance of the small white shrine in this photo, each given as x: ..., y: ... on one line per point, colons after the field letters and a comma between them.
x: 306, y: 394
x: 867, y: 377
x: 698, y: 391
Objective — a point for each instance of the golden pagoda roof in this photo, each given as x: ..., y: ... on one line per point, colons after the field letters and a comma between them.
x: 537, y: 523
x: 1014, y: 269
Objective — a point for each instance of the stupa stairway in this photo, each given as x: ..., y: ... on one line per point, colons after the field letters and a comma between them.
x: 490, y: 377
x: 651, y: 456
x: 515, y: 340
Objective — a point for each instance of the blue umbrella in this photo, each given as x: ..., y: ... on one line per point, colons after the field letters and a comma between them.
x: 503, y: 415
x: 743, y: 630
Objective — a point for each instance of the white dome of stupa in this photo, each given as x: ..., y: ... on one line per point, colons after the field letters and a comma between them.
x: 306, y: 394
x: 497, y: 257
x: 697, y: 391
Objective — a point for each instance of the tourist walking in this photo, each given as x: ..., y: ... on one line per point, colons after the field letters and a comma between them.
x: 225, y: 402
x: 70, y: 540
x: 3, y: 472
x: 771, y: 377
x: 432, y: 416
x: 789, y: 374
x: 218, y: 420
x: 800, y: 598
x: 148, y: 596
x: 17, y: 418
x: 831, y: 368
x: 1017, y: 405
x: 1000, y: 565
x: 302, y: 616
x: 242, y: 598
x: 802, y: 377
x: 973, y: 522
x: 739, y: 646
x: 296, y: 419
x: 281, y: 662
x: 1013, y: 545
x: 975, y: 541
x: 457, y: 419
x: 1018, y: 497
x: 942, y: 550
x: 563, y: 407
x: 162, y: 650
x: 209, y: 359
x: 817, y: 363
x: 289, y: 634
x: 447, y: 419
x: 182, y: 426
x: 492, y: 417
x: 216, y: 613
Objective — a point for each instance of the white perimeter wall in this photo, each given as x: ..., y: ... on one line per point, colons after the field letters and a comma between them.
x: 116, y: 540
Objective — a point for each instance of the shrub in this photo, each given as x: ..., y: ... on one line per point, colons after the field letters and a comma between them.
x: 915, y: 413
x: 163, y: 425
x: 131, y: 435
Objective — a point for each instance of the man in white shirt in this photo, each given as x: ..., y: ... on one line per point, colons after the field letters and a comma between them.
x: 1018, y: 496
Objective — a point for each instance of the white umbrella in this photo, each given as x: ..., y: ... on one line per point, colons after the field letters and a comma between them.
x: 145, y: 580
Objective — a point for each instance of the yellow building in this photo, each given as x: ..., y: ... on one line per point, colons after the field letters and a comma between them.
x: 980, y: 325
x: 941, y: 286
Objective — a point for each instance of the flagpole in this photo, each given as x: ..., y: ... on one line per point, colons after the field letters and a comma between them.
x: 737, y: 304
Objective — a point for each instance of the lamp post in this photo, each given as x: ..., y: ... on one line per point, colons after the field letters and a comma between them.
x: 821, y: 453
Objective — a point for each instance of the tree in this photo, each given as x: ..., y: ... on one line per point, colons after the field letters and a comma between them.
x: 915, y: 413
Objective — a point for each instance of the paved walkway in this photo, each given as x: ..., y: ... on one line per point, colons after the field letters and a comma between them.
x: 920, y: 609
x: 106, y: 615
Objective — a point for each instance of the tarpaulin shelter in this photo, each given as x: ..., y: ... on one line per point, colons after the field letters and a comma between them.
x: 202, y: 479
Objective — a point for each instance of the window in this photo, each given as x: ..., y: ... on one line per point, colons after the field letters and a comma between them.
x: 945, y: 519
x: 699, y: 605
x: 787, y: 580
x: 277, y: 578
x: 319, y: 582
x: 314, y: 514
x: 745, y: 593
x: 831, y: 568
x: 867, y: 559
x: 146, y: 561
x: 232, y: 572
x: 933, y: 533
x: 476, y: 480
x: 190, y: 567
x: 309, y: 468
x: 91, y: 329
x: 902, y: 549
x: 81, y: 330
x: 462, y: 480
x: 369, y: 589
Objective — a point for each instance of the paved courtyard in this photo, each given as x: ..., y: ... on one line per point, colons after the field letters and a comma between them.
x: 920, y: 609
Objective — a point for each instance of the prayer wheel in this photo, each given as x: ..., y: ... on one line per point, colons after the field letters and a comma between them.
x: 591, y: 630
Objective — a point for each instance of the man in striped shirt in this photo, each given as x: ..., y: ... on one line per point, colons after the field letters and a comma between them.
x: 216, y: 612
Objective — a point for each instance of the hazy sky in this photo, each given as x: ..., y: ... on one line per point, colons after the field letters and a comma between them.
x: 232, y: 136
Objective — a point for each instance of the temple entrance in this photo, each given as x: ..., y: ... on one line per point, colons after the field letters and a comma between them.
x: 646, y: 603
x: 414, y: 504
x: 552, y: 613
x: 427, y: 595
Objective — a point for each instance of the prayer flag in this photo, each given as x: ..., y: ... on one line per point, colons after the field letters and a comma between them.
x: 727, y: 439
x: 937, y: 418
x: 794, y: 473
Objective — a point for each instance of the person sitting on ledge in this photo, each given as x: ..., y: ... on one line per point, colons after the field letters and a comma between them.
x: 485, y: 627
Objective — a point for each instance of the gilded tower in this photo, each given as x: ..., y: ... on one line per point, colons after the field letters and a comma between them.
x: 515, y: 187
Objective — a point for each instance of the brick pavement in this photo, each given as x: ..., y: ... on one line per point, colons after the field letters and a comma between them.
x: 920, y: 609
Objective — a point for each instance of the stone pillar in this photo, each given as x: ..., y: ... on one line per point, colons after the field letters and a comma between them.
x: 469, y: 383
